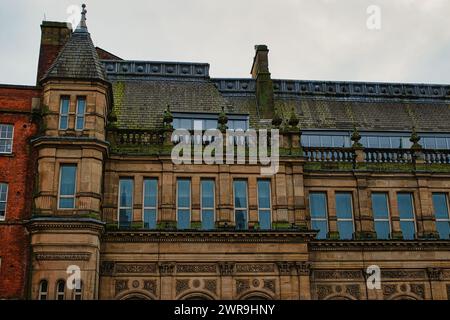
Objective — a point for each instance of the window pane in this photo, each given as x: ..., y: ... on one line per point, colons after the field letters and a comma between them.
x: 441, y: 143
x: 210, y: 124
x: 408, y: 229
x: 125, y: 217
x: 184, y: 193
x: 405, y: 205
x: 64, y: 122
x: 322, y: 226
x: 344, y: 206
x: 241, y: 219
x: 207, y: 193
x: 318, y: 205
x: 380, y: 206
x: 314, y: 141
x: 198, y: 125
x: 382, y: 229
x: 396, y: 142
x: 345, y: 229
x: 305, y: 140
x: 207, y: 219
x: 150, y: 218
x: 440, y: 205
x: 80, y: 123
x: 186, y: 124
x: 126, y: 193
x: 183, y: 219
x: 325, y: 141
x: 384, y: 142
x: 240, y: 194
x: 373, y: 142
x: 264, y: 219
x: 264, y: 194
x: 364, y: 142
x: 64, y: 105
x: 240, y: 124
x: 150, y: 192
x: 66, y: 203
x: 81, y: 106
x: 338, y: 141
x: 429, y: 143
x: 443, y: 227
x: 3, y: 191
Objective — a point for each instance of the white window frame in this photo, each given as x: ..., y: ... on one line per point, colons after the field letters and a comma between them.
x: 326, y: 212
x: 388, y: 211
x: 448, y: 213
x: 59, y: 293
x: 78, y: 292
x: 2, y: 218
x: 201, y: 199
x: 63, y: 114
x: 190, y: 201
x: 83, y: 116
x: 12, y: 138
x: 352, y: 219
x: 143, y: 199
x: 270, y: 201
x: 411, y: 194
x: 119, y: 202
x: 75, y: 188
x: 42, y: 293
x: 234, y: 201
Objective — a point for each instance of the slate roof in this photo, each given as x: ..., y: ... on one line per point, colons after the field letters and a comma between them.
x: 78, y: 59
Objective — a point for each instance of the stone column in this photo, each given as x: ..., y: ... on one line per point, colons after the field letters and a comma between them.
x: 253, y: 218
x: 167, y: 290
x: 332, y: 220
x: 226, y: 272
x: 168, y: 196
x: 285, y: 269
x: 438, y: 287
x: 304, y: 284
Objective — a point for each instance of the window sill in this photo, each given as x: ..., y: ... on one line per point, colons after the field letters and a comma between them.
x: 11, y: 155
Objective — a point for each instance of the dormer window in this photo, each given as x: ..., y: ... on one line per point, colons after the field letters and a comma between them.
x: 205, y: 121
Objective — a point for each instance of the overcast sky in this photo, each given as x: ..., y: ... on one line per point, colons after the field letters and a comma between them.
x: 308, y: 39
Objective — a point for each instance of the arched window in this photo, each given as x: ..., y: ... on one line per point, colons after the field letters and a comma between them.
x: 43, y: 290
x: 60, y: 290
x: 78, y: 292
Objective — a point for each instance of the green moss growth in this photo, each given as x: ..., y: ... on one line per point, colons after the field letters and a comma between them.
x: 281, y: 225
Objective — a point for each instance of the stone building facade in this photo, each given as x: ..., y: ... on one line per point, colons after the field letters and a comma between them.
x: 363, y: 180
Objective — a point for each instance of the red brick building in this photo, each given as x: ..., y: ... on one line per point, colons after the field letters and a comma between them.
x: 16, y: 185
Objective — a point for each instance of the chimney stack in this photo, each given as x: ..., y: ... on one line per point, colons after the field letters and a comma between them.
x: 54, y: 36
x: 264, y: 85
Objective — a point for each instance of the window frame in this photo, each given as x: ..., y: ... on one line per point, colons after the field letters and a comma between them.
x: 58, y: 293
x: 184, y: 208
x: 327, y: 215
x: 214, y: 201
x: 143, y: 200
x: 61, y: 114
x: 269, y: 209
x: 240, y: 208
x: 78, y: 292
x: 447, y: 202
x: 11, y: 139
x: 119, y: 207
x: 42, y: 293
x: 3, y: 218
x: 74, y: 197
x: 77, y: 115
x: 414, y: 219
x: 352, y: 219
x: 389, y: 217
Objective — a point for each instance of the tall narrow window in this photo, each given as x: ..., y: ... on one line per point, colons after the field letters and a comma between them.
x: 60, y: 290
x: 240, y: 204
x: 318, y: 212
x: 78, y: 292
x: 81, y: 109
x: 407, y: 216
x: 6, y: 138
x: 208, y: 204
x: 150, y: 203
x: 440, y: 205
x: 64, y: 113
x: 3, y: 200
x: 125, y: 202
x: 67, y: 183
x: 264, y: 211
x: 43, y: 290
x: 380, y: 212
x: 183, y: 204
x: 344, y: 215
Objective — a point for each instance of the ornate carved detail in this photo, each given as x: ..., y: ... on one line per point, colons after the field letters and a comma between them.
x: 242, y: 285
x: 135, y: 284
x: 323, y: 291
x: 354, y: 290
x: 418, y: 289
x: 211, y: 286
x: 389, y: 290
x: 255, y: 268
x: 121, y: 285
x: 285, y: 268
x: 196, y: 268
x: 150, y: 286
x: 417, y: 245
x: 181, y: 285
x: 435, y: 274
x: 76, y: 256
x: 403, y: 274
x: 196, y: 283
x: 269, y: 284
x: 338, y: 274
x: 107, y: 268
x: 166, y: 268
x: 303, y: 268
x: 135, y: 268
x: 227, y: 268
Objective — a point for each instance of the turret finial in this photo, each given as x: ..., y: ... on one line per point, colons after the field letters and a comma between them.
x: 82, y: 27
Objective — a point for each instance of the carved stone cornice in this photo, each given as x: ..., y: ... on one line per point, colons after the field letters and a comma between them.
x: 66, y: 256
x: 376, y: 245
x: 209, y: 236
x: 40, y: 224
x: 226, y: 268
